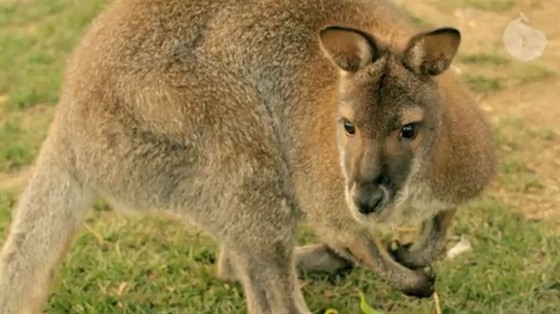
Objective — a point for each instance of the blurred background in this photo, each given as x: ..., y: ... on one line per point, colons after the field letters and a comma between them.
x: 509, y: 58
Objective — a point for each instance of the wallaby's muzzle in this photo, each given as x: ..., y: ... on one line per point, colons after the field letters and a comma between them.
x: 370, y: 199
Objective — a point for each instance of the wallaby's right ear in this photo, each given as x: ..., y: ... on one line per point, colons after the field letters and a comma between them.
x: 350, y: 49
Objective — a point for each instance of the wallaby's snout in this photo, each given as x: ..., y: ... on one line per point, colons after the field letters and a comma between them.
x: 371, y: 190
x: 369, y: 199
x: 372, y: 194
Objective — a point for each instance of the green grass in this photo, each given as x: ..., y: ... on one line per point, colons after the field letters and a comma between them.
x: 515, y: 174
x: 483, y: 58
x: 491, y: 5
x: 530, y: 73
x: 122, y: 264
x: 35, y: 38
x: 416, y: 20
x: 483, y: 84
x: 21, y: 133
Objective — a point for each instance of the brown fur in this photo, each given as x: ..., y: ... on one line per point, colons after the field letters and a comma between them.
x: 225, y: 114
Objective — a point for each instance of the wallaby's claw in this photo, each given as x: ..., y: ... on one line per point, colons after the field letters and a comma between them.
x: 396, y: 245
x: 401, y: 254
x: 344, y: 271
x: 429, y: 270
x: 425, y: 287
x: 398, y: 251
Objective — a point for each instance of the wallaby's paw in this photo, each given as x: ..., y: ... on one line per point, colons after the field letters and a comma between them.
x: 418, y: 262
x: 425, y: 286
x: 403, y: 255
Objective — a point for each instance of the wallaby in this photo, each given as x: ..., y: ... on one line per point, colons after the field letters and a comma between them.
x: 245, y: 118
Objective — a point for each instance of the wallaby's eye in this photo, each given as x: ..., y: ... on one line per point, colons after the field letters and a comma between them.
x: 349, y: 127
x: 408, y: 131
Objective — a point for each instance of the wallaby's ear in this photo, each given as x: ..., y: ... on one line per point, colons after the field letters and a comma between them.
x: 430, y: 53
x: 350, y: 49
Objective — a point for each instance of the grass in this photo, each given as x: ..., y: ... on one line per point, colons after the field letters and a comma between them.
x: 483, y: 84
x: 484, y: 73
x: 492, y: 5
x: 416, y: 20
x: 483, y: 58
x: 533, y: 72
x: 140, y: 265
x: 36, y: 38
x: 121, y: 264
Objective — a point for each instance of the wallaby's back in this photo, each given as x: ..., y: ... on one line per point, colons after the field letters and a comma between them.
x: 182, y: 71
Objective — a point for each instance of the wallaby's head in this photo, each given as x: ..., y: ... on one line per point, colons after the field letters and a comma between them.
x: 388, y: 112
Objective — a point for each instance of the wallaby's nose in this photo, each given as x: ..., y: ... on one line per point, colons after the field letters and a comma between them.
x: 368, y: 203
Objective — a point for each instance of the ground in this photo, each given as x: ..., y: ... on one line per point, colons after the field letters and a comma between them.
x: 121, y: 264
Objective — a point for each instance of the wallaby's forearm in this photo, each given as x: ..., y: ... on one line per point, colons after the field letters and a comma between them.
x: 369, y: 252
x: 429, y: 245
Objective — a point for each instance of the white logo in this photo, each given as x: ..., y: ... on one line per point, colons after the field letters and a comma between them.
x: 522, y: 41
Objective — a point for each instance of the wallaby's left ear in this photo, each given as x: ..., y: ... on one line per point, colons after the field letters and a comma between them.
x: 431, y: 53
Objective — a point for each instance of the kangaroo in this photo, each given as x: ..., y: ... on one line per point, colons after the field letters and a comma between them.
x: 247, y: 118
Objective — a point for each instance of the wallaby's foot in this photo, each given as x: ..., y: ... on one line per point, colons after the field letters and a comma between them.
x: 319, y: 257
x: 226, y: 269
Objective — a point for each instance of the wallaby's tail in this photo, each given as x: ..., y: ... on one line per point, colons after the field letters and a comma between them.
x: 49, y: 212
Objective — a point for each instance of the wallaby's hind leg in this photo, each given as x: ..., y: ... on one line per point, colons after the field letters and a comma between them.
x: 270, y: 280
x: 264, y: 263
x: 259, y: 252
x: 226, y: 271
x: 49, y: 212
x: 311, y: 258
x: 320, y: 257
